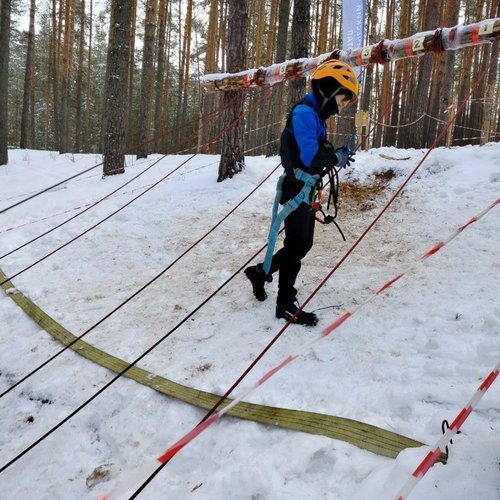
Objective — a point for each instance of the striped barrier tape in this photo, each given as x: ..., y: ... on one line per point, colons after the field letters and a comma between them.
x: 128, y: 484
x: 439, y: 447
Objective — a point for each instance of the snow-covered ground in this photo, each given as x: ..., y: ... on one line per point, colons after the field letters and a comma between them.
x: 404, y: 362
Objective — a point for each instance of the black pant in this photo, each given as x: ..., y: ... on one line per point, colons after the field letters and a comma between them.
x: 299, y: 235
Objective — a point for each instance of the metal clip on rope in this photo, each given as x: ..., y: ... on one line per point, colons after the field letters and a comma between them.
x: 444, y: 426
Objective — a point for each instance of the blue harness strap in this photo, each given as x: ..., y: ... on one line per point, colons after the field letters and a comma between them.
x: 288, y: 207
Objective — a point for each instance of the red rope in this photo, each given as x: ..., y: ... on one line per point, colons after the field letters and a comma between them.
x: 216, y: 138
x: 347, y: 254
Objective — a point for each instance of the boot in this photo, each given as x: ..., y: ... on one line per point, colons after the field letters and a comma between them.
x: 257, y: 277
x: 302, y: 318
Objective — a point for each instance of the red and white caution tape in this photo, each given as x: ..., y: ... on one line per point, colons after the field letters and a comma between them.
x: 152, y: 465
x: 439, y: 447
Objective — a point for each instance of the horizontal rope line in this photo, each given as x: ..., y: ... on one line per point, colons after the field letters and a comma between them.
x: 362, y: 435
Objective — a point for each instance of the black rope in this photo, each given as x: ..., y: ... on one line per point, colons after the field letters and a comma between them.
x: 49, y: 188
x: 133, y: 363
x: 137, y: 292
x: 444, y: 427
x: 127, y: 151
x: 333, y: 179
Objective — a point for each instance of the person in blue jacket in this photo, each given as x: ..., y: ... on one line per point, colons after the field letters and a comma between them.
x: 305, y: 152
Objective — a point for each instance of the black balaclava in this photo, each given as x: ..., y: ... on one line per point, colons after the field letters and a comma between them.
x: 325, y: 90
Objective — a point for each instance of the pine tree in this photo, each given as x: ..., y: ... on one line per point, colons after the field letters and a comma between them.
x: 300, y: 46
x: 232, y: 159
x: 276, y: 111
x: 116, y: 87
x: 28, y: 113
x: 147, y: 76
x: 79, y: 79
x: 69, y: 17
x: 5, y: 11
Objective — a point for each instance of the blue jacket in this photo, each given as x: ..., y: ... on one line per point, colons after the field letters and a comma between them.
x: 308, y: 128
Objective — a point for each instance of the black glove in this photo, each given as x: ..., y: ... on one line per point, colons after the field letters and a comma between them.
x: 323, y: 161
x: 344, y: 157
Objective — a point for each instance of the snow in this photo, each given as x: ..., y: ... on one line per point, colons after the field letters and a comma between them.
x: 405, y: 361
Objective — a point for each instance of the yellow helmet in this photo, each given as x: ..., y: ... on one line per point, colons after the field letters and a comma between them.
x: 341, y: 72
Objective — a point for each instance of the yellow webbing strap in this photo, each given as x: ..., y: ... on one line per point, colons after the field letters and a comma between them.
x: 365, y: 436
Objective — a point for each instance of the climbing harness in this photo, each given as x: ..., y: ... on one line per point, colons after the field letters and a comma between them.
x: 278, y: 217
x: 311, y: 182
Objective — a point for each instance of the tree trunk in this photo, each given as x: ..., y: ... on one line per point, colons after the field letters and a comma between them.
x: 147, y: 77
x: 300, y: 47
x: 232, y: 158
x: 64, y: 144
x: 261, y: 19
x: 271, y: 34
x: 323, y: 27
x: 420, y: 104
x: 368, y: 73
x: 207, y: 123
x: 89, y: 74
x: 79, y: 81
x: 386, y: 91
x: 187, y: 58
x: 489, y: 95
x: 401, y: 69
x: 131, y: 132
x: 158, y: 129
x: 276, y: 112
x: 5, y: 9
x: 55, y: 46
x: 28, y: 113
x: 116, y: 88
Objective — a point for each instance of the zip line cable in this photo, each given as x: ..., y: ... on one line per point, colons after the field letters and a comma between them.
x: 127, y: 151
x: 179, y: 144
x: 142, y: 288
x: 203, y: 303
x: 210, y: 413
x: 223, y: 132
x: 136, y: 293
x: 133, y: 363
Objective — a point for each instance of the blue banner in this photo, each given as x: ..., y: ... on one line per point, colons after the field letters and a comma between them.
x: 353, y: 24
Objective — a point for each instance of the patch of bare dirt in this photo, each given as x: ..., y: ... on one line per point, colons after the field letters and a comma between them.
x: 361, y: 196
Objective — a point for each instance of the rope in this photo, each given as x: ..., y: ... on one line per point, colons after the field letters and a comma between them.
x: 210, y: 415
x: 108, y: 196
x: 129, y: 150
x: 364, y: 436
x: 137, y: 292
x: 214, y: 417
x: 133, y: 363
x: 72, y: 240
x: 453, y: 429
x: 224, y: 131
x: 409, y: 124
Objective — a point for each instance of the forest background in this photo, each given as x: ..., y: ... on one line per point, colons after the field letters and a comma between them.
x: 58, y: 69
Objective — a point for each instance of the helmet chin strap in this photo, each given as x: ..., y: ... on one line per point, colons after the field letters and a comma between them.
x: 326, y: 100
